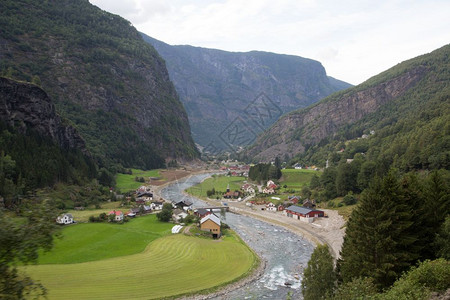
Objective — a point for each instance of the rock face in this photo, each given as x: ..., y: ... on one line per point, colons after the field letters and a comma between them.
x: 293, y: 132
x: 216, y: 87
x: 27, y: 107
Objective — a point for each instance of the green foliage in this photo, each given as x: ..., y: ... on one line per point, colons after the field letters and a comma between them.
x: 378, y: 241
x: 165, y: 215
x: 442, y: 242
x: 264, y: 172
x: 20, y: 243
x: 419, y: 282
x: 30, y: 161
x: 358, y: 288
x: 319, y: 277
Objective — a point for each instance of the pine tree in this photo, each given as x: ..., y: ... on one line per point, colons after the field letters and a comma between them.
x: 377, y: 241
x: 319, y: 277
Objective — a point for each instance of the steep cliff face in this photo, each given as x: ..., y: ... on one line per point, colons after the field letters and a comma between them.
x: 27, y: 107
x: 103, y: 77
x: 217, y: 86
x: 375, y: 104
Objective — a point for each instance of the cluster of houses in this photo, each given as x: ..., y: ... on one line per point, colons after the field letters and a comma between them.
x: 270, y: 188
x: 237, y: 170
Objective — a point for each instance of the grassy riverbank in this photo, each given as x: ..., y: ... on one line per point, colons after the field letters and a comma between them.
x: 139, y: 260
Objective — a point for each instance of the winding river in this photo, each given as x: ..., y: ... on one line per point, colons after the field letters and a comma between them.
x: 286, y: 254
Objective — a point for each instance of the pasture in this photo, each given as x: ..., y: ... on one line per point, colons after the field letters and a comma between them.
x: 96, y: 241
x: 219, y: 183
x: 126, y: 182
x: 83, y: 215
x: 169, y: 266
x: 296, y: 179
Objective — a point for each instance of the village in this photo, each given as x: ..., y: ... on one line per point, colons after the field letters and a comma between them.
x: 262, y: 197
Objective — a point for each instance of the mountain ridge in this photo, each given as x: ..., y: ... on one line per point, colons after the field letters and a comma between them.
x: 216, y: 86
x: 377, y: 100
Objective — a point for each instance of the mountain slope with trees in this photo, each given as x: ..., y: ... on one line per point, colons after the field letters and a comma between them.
x: 111, y: 85
x: 406, y: 107
x: 217, y: 86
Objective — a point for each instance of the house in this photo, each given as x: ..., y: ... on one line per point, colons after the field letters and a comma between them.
x: 185, y: 204
x: 297, y: 166
x: 65, y: 219
x: 309, y: 204
x: 178, y: 214
x: 118, y: 215
x: 201, y: 212
x: 269, y: 191
x: 294, y: 199
x: 271, y: 207
x: 269, y: 183
x: 280, y: 207
x: 157, y: 205
x: 248, y: 188
x: 303, y: 214
x: 212, y: 224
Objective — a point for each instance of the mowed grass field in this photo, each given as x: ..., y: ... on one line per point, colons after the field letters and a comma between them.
x: 169, y: 266
x: 96, y: 241
x: 219, y: 183
x: 296, y: 179
x: 126, y: 182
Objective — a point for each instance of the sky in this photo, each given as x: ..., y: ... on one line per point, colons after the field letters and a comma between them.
x: 353, y: 39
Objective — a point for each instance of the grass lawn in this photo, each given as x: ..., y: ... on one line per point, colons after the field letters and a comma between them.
x: 219, y: 183
x: 169, y: 266
x: 96, y: 241
x: 125, y: 182
x: 296, y: 179
x: 83, y: 215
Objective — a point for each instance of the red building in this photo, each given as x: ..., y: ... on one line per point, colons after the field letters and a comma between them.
x: 298, y: 212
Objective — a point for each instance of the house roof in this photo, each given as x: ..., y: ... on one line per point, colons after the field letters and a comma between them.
x: 211, y: 217
x: 202, y: 211
x: 300, y: 210
x: 115, y: 212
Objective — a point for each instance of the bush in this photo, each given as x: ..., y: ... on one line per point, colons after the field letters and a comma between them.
x: 349, y: 199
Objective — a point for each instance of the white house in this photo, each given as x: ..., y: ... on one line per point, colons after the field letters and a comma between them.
x: 157, y: 205
x: 118, y: 215
x: 271, y: 207
x: 298, y: 166
x: 269, y: 191
x: 64, y: 219
x: 269, y: 183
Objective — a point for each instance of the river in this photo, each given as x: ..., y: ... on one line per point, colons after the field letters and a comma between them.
x: 286, y: 254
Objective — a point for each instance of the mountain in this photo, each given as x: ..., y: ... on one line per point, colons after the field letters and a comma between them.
x: 216, y: 87
x: 403, y: 114
x: 38, y: 147
x: 112, y: 86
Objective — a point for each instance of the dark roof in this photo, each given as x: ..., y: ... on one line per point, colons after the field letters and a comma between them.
x: 202, y: 211
x: 300, y: 209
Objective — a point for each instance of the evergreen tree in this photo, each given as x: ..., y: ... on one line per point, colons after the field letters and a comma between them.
x: 377, y: 241
x: 319, y: 277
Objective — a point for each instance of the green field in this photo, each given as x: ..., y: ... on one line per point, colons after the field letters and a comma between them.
x: 219, y: 183
x: 96, y: 241
x: 83, y: 215
x: 169, y: 266
x: 296, y: 179
x: 125, y: 182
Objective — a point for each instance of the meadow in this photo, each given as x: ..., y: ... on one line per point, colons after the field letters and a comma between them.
x: 96, y: 241
x: 127, y: 182
x: 219, y: 183
x: 169, y: 266
x: 83, y: 215
x: 296, y: 179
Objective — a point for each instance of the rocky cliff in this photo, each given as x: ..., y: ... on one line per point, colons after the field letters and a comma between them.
x: 27, y: 107
x: 216, y: 87
x: 103, y: 77
x: 412, y: 88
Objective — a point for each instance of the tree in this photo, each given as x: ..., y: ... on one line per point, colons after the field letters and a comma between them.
x: 20, y: 243
x: 319, y: 277
x: 378, y: 241
x: 442, y: 242
x: 164, y: 215
x: 277, y: 162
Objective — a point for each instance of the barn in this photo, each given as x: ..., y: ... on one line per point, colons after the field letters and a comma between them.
x: 303, y: 213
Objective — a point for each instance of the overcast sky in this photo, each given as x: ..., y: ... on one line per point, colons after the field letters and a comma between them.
x: 353, y: 39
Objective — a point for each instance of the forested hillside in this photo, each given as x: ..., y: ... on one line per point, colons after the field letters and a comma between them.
x: 111, y: 85
x: 216, y: 86
x: 399, y: 118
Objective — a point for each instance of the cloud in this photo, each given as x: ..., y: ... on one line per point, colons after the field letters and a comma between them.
x: 353, y: 39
